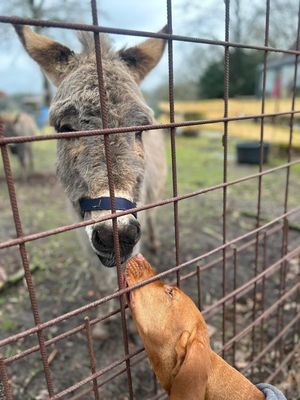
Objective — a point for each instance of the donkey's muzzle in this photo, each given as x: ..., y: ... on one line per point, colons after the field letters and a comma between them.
x: 103, y: 241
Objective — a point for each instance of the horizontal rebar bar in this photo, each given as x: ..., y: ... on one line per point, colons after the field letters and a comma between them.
x: 60, y: 337
x: 65, y: 228
x: 110, y: 378
x: 272, y: 343
x: 156, y: 277
x: 128, y: 32
x: 97, y: 374
x: 229, y: 254
x: 126, y: 129
x: 205, y: 312
x: 245, y: 241
x: 94, y: 321
x: 282, y: 364
x: 265, y: 273
x: 262, y: 316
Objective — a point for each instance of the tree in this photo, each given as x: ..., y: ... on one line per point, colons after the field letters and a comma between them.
x: 211, y: 83
x: 247, y: 20
x: 247, y: 26
x: 183, y: 90
x: 242, y: 75
x: 55, y: 10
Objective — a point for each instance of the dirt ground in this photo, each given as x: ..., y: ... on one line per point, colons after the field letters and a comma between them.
x: 63, y: 276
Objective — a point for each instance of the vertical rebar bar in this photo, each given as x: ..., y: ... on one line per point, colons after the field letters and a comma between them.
x: 90, y: 346
x: 297, y: 309
x: 199, y: 291
x: 263, y: 290
x: 173, y: 135
x: 4, y: 379
x: 285, y: 232
x: 225, y: 161
x: 234, y: 300
x: 25, y: 262
x: 108, y: 156
x: 282, y: 284
x: 199, y: 273
x: 261, y: 161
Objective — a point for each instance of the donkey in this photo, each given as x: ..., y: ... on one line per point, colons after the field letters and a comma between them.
x: 21, y: 125
x: 138, y: 159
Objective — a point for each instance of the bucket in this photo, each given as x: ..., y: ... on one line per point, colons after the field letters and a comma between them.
x: 249, y: 152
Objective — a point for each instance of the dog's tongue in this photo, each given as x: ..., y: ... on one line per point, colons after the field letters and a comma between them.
x: 137, y: 269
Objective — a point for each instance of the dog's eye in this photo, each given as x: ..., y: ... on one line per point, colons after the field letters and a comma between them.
x: 138, y: 135
x: 169, y: 291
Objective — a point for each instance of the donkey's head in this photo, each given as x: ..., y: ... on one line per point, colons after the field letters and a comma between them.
x: 81, y: 163
x: 10, y: 123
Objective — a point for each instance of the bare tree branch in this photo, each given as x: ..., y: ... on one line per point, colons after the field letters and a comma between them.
x: 71, y: 10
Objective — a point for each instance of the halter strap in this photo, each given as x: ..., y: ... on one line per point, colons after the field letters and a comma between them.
x: 104, y: 203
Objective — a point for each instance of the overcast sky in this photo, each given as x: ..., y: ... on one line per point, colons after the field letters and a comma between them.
x: 18, y: 73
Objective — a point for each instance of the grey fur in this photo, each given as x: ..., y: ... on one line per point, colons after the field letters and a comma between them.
x: 138, y: 167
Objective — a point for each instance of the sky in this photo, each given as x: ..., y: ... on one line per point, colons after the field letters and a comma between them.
x: 20, y: 74
x: 205, y: 18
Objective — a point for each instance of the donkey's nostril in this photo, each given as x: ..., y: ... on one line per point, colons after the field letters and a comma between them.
x: 102, y: 239
x: 96, y: 239
x: 131, y: 234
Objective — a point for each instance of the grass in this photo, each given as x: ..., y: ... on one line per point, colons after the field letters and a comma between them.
x: 63, y: 279
x: 199, y: 165
x: 199, y: 162
x: 8, y: 325
x: 45, y: 156
x: 43, y: 204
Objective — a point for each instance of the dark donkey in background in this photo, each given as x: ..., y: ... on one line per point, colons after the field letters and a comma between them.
x: 138, y: 161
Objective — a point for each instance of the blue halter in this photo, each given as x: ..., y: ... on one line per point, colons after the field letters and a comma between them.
x: 104, y: 203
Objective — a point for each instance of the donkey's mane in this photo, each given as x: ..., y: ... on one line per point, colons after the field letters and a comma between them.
x: 88, y: 43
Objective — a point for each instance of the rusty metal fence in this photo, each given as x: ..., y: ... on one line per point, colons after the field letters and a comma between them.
x: 282, y: 338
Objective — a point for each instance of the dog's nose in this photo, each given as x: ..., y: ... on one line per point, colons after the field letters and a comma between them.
x: 129, y: 234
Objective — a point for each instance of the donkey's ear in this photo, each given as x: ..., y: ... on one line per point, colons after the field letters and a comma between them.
x: 141, y: 59
x: 190, y: 374
x: 55, y: 59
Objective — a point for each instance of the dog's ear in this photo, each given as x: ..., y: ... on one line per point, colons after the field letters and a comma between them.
x: 192, y: 368
x: 141, y: 59
x: 54, y: 58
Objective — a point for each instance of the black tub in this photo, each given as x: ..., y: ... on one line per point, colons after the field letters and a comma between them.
x: 248, y: 152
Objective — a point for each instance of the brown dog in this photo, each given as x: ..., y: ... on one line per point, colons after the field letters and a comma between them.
x: 176, y: 340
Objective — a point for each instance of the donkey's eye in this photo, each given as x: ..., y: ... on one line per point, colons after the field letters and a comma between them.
x: 65, y: 128
x: 138, y: 135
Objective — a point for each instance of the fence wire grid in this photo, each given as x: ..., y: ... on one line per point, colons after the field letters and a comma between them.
x: 273, y: 328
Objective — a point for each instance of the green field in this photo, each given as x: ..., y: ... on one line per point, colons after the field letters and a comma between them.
x: 63, y: 276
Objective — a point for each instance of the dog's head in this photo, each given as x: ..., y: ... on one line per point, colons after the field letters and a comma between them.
x: 173, y: 331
